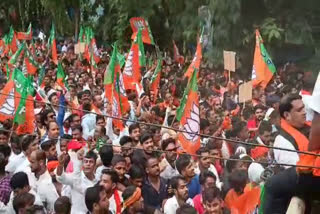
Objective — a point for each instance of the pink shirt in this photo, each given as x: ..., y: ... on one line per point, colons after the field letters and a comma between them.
x: 197, y: 201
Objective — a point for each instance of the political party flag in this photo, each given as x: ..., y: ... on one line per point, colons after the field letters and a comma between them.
x: 81, y: 35
x: 42, y: 73
x: 155, y: 79
x: 24, y: 117
x: 142, y: 56
x: 188, y: 114
x: 263, y: 67
x: 2, y: 47
x: 19, y: 82
x: 131, y: 71
x: 142, y: 24
x: 25, y: 35
x: 91, y: 49
x: 195, y: 64
x: 11, y: 41
x: 52, y: 45
x: 248, y: 202
x: 61, y: 77
x: 14, y: 58
x: 122, y: 59
x: 7, y: 107
x: 31, y: 64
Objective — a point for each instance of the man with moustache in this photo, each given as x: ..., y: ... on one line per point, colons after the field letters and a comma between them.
x: 154, y: 189
x: 179, y: 186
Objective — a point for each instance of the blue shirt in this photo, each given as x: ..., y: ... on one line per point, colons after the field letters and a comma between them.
x: 194, y: 187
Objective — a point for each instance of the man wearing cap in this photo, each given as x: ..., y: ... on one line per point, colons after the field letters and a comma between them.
x: 294, y: 130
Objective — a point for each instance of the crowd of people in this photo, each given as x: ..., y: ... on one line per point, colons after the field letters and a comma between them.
x: 77, y: 160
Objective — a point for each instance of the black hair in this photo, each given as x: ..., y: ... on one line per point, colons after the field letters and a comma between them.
x: 204, y: 175
x: 106, y: 155
x: 265, y: 126
x: 22, y: 200
x: 230, y: 164
x: 113, y: 175
x: 35, y: 209
x: 86, y: 107
x: 144, y: 137
x: 237, y: 127
x: 286, y: 103
x: 92, y: 196
x: 116, y: 159
x: 100, y: 117
x: 182, y: 162
x: 165, y: 143
x: 133, y: 127
x: 44, y: 115
x: 77, y: 127
x: 125, y: 139
x: 204, y: 124
x: 66, y: 136
x: 26, y: 141
x: 72, y: 116
x: 238, y: 180
x: 62, y: 205
x: 212, y: 144
x: 45, y: 146
x: 174, y: 182
x: 202, y: 150
x: 259, y: 106
x: 186, y: 209
x: 128, y: 192
x: 135, y: 172
x: 4, y: 132
x: 5, y: 150
x: 91, y: 155
x: 19, y: 180
x: 211, y: 193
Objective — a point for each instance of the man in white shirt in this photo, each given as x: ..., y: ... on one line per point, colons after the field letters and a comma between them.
x: 29, y: 144
x: 45, y: 188
x: 108, y: 180
x: 293, y: 118
x: 179, y: 186
x: 79, y: 180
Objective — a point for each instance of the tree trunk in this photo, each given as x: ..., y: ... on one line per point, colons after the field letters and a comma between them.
x: 77, y: 23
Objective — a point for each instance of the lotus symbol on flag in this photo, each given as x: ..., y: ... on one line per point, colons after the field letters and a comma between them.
x: 253, y: 75
x: 8, y: 107
x: 115, y: 109
x: 192, y: 125
x: 128, y: 66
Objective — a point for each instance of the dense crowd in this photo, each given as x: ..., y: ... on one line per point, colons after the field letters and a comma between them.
x: 78, y: 161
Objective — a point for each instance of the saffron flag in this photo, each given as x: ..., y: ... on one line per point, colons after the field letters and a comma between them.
x: 155, y: 79
x: 31, y: 64
x: 11, y: 41
x: 188, y: 114
x: 142, y: 24
x: 248, y: 202
x: 25, y: 35
x: 195, y: 64
x: 91, y: 49
x: 7, y: 107
x: 52, y: 45
x: 19, y: 82
x: 114, y: 89
x: 263, y: 67
x: 61, y: 77
x: 24, y: 117
x: 42, y: 73
x: 14, y: 58
x: 131, y: 72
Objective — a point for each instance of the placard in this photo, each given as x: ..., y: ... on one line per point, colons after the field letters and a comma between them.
x: 79, y: 48
x: 229, y: 58
x: 245, y: 92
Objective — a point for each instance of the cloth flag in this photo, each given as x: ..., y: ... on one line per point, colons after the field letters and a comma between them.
x: 135, y: 59
x: 114, y: 89
x: 155, y: 79
x: 7, y: 100
x: 91, y: 49
x: 61, y: 77
x: 138, y: 23
x: 14, y: 58
x: 188, y: 114
x: 263, y: 67
x: 52, y: 45
x: 24, y: 117
x: 31, y: 64
x: 11, y: 41
x: 25, y: 35
x: 248, y: 202
x: 41, y: 76
x: 195, y: 64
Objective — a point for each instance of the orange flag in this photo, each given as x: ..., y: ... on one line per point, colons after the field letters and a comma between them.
x: 263, y: 67
x: 188, y: 114
x: 247, y: 203
x: 195, y: 64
